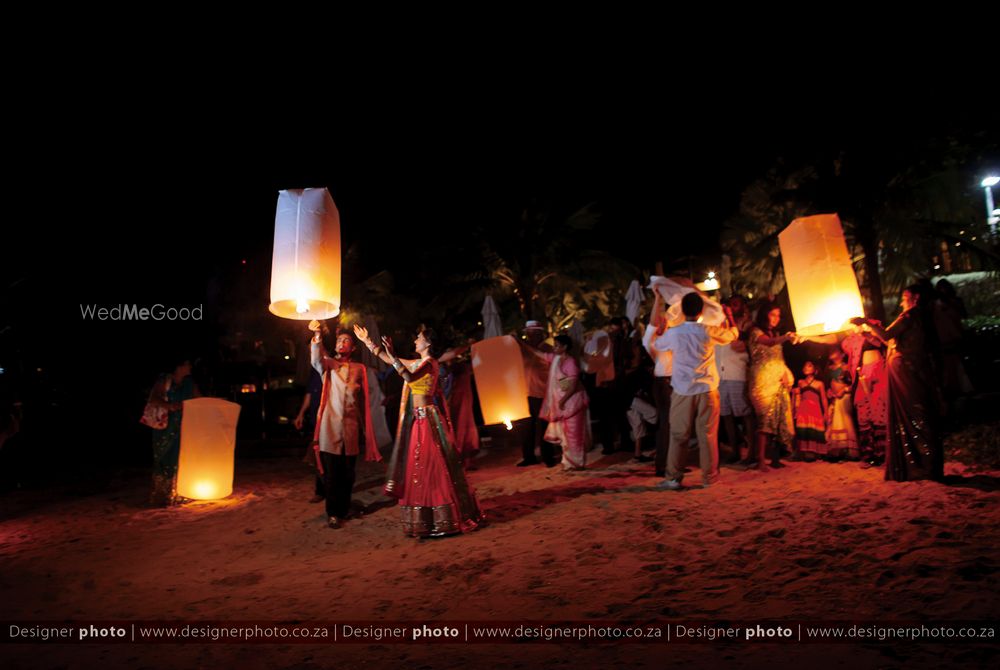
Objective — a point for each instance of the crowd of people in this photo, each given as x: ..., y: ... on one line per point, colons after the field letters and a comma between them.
x: 877, y: 396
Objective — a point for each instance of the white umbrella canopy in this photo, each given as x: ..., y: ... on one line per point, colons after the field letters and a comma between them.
x: 491, y: 319
x: 633, y: 301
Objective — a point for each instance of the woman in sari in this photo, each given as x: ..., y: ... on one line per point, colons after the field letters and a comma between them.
x: 171, y: 390
x: 770, y: 380
x: 425, y: 471
x: 458, y: 393
x: 864, y: 352
x: 914, y: 450
x: 565, y: 404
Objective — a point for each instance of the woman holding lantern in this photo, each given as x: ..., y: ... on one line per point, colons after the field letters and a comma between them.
x: 565, y: 404
x: 914, y: 450
x: 770, y: 381
x: 425, y: 471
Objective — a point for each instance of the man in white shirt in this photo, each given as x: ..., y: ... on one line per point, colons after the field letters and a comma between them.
x: 695, y: 399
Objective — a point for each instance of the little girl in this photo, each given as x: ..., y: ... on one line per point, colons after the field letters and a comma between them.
x: 842, y: 437
x: 809, y: 404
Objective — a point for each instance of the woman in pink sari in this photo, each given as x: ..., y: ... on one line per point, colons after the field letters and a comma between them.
x: 565, y: 404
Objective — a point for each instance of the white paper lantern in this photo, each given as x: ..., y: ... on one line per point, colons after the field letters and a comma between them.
x: 498, y: 365
x: 305, y: 263
x: 822, y: 286
x: 208, y: 447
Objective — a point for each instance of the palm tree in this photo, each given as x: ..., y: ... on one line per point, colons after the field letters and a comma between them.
x: 544, y: 263
x: 899, y: 203
x: 750, y: 239
x: 901, y: 197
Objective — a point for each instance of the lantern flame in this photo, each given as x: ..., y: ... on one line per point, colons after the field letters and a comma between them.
x: 302, y: 306
x: 837, y: 313
x: 509, y: 425
x: 205, y: 490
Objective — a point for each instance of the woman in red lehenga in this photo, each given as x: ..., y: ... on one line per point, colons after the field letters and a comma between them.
x: 425, y: 471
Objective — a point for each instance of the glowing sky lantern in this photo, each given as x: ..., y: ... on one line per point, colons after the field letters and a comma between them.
x: 305, y: 264
x: 822, y: 287
x: 499, y: 369
x: 208, y: 444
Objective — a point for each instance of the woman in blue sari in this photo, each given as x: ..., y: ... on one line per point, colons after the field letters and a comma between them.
x: 171, y: 389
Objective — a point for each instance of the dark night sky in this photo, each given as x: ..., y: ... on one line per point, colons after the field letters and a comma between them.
x: 126, y: 203
x: 135, y: 178
x: 120, y: 209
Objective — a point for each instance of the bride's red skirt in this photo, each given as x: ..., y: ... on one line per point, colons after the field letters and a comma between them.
x: 433, y: 503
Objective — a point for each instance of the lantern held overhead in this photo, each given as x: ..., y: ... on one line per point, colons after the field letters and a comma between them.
x: 498, y: 366
x: 305, y: 263
x: 208, y: 445
x: 673, y: 290
x: 822, y: 286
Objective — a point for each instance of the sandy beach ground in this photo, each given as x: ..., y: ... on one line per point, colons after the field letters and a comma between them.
x: 813, y: 541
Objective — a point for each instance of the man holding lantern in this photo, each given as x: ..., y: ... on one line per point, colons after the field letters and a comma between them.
x: 343, y: 422
x: 694, y: 403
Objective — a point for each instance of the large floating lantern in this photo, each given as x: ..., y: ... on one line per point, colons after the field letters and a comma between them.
x: 498, y: 366
x: 208, y: 445
x: 822, y: 287
x: 305, y: 264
